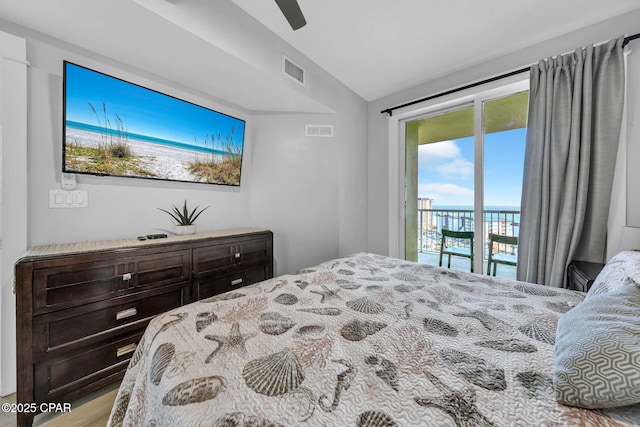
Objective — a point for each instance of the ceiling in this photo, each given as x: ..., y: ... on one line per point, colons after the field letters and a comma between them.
x: 374, y: 47
x: 379, y: 47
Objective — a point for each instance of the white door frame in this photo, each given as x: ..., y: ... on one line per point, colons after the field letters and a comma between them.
x: 396, y: 137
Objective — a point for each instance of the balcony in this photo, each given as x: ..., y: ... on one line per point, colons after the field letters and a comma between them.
x: 432, y: 221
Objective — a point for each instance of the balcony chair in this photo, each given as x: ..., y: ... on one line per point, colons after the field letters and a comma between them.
x: 501, y: 257
x: 449, y: 250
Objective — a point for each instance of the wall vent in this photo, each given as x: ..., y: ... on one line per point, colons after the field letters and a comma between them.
x: 293, y: 71
x: 318, y: 130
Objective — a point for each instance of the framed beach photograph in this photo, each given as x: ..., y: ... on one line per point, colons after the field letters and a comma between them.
x: 116, y: 128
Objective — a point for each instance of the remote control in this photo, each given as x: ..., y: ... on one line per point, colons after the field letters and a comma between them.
x: 156, y: 236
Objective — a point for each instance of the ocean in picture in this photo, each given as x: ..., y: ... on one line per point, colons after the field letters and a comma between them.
x: 71, y: 126
x: 149, y: 156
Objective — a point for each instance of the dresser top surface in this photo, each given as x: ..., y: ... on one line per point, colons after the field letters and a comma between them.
x: 82, y: 247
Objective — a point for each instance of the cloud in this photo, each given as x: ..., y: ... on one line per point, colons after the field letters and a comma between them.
x: 446, y: 193
x: 444, y: 158
x: 436, y: 152
x: 459, y: 168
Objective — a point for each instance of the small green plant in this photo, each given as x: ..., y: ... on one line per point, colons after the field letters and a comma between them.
x: 184, y: 217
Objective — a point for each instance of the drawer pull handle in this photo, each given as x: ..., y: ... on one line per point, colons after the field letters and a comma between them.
x: 237, y: 255
x: 129, y: 348
x: 126, y: 313
x: 127, y: 276
x: 236, y: 282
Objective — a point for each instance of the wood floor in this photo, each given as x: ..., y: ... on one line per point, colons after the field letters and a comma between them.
x: 90, y: 411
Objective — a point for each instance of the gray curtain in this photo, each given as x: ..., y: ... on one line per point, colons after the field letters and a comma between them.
x: 575, y: 114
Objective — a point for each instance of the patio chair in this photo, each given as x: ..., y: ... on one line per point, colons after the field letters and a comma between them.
x: 448, y: 249
x: 498, y: 257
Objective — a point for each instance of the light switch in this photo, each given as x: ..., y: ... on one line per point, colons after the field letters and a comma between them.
x: 68, y: 199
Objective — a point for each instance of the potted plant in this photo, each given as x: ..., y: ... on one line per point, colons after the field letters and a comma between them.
x: 185, y: 219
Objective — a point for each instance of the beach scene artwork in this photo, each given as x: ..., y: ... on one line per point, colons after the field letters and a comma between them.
x: 113, y: 127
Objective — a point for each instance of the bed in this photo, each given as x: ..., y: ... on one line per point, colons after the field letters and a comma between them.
x: 364, y: 340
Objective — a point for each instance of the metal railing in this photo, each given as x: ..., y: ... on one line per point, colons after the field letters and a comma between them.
x: 432, y: 221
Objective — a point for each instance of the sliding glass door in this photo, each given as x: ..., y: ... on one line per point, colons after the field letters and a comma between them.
x: 463, y: 173
x: 504, y: 133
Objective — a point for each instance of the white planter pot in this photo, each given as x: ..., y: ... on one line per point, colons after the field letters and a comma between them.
x: 183, y: 230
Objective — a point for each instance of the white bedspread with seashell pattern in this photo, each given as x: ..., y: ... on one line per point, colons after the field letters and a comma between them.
x: 364, y: 340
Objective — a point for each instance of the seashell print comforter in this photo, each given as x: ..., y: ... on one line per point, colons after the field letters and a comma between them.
x: 364, y: 340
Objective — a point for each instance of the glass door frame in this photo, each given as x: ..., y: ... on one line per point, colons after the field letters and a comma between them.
x: 397, y: 138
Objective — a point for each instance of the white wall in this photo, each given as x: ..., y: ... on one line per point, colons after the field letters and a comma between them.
x: 13, y: 215
x: 378, y: 179
x: 310, y: 191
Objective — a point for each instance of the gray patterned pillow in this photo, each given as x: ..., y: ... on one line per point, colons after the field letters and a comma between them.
x: 622, y: 269
x: 597, y: 352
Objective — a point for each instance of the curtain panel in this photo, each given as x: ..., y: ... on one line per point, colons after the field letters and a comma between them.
x: 575, y: 114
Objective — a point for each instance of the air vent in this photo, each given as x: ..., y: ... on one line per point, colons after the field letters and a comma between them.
x: 293, y: 70
x: 318, y: 130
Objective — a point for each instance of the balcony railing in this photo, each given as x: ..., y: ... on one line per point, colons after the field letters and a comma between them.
x: 432, y: 221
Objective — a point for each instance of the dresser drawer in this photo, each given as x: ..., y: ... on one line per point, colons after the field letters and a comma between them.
x: 57, y: 288
x: 255, y: 250
x: 162, y: 268
x: 70, y: 285
x: 59, y: 375
x: 92, y: 323
x: 216, y: 285
x: 212, y: 259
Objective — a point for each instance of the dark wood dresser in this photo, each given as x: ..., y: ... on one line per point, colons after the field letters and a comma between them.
x: 82, y: 308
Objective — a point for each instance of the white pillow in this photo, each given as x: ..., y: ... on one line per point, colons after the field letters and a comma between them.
x: 597, y: 351
x: 621, y: 270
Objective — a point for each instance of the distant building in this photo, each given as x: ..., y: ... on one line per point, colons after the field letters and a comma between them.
x: 425, y: 203
x: 431, y: 222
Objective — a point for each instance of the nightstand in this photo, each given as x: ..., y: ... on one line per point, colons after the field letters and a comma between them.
x: 581, y: 274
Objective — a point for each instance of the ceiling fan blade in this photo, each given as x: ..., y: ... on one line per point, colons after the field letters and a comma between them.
x: 291, y: 10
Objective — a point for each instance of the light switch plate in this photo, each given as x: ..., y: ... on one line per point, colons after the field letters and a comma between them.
x: 68, y: 199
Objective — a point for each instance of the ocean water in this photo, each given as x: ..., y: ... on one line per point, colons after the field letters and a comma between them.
x: 150, y: 139
x: 495, y: 215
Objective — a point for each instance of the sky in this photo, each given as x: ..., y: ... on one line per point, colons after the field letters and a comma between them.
x: 144, y: 111
x: 445, y: 170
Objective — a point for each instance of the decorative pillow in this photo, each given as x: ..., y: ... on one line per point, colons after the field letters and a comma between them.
x: 622, y: 269
x: 597, y: 351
